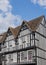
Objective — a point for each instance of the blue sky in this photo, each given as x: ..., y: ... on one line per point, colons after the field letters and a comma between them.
x: 27, y: 9
x: 13, y: 12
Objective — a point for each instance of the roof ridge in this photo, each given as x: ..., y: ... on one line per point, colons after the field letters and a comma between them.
x: 37, y: 18
x: 32, y: 25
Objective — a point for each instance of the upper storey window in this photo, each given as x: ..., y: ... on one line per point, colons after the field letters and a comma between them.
x: 10, y: 37
x: 12, y: 43
x: 10, y: 57
x: 24, y: 27
x: 23, y: 39
x: 24, y: 31
x: 9, y: 41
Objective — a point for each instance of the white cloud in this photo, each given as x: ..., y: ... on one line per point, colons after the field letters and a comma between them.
x: 7, y: 19
x: 39, y: 2
x: 5, y: 5
x: 33, y: 1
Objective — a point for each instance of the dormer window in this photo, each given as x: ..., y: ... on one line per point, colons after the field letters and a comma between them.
x: 24, y: 27
x: 9, y: 32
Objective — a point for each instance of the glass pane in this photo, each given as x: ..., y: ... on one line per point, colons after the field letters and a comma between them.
x: 10, y: 57
x: 32, y: 42
x: 22, y: 55
x: 28, y: 39
x: 31, y: 53
x: 25, y: 55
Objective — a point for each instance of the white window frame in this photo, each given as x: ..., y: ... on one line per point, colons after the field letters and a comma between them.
x: 24, y: 60
x: 33, y: 54
x: 10, y: 57
x: 20, y: 56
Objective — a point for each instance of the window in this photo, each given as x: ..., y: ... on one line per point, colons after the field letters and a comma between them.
x: 28, y: 44
x: 10, y: 37
x: 24, y: 27
x: 15, y: 57
x: 5, y: 45
x: 18, y: 57
x: 23, y: 56
x: 3, y: 57
x: 28, y: 39
x: 6, y: 59
x: 32, y: 40
x: 23, y: 39
x: 11, y: 43
x: 21, y: 46
x: 24, y: 45
x: 31, y: 53
x: 10, y: 57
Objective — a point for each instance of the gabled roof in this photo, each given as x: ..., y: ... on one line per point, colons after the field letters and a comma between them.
x: 32, y: 25
x: 35, y: 23
x: 15, y: 31
x: 3, y: 37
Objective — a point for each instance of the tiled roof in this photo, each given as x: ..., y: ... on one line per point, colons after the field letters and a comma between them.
x: 35, y: 23
x: 15, y: 31
x: 32, y: 25
x: 3, y: 37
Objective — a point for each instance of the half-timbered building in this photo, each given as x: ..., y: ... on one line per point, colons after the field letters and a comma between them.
x: 25, y: 44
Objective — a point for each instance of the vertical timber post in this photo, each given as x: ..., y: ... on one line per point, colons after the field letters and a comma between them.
x: 30, y: 39
x: 35, y: 49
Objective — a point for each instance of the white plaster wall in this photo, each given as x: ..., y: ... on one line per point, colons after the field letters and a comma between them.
x: 27, y: 37
x: 39, y: 60
x: 12, y: 42
x: 26, y: 53
x: 42, y: 44
x: 9, y: 37
x: 14, y: 58
x: 8, y: 43
x: 41, y: 29
x: 24, y: 32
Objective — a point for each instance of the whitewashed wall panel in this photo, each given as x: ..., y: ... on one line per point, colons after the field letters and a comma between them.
x: 9, y: 37
x: 26, y: 38
x: 12, y: 42
x: 7, y: 58
x: 14, y: 57
x: 24, y: 32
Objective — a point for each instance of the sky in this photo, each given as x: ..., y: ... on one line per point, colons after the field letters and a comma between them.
x: 13, y: 12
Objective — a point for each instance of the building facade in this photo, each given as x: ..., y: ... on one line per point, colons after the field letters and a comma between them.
x: 25, y: 44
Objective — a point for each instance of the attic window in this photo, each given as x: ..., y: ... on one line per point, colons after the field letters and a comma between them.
x: 9, y: 32
x: 24, y: 27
